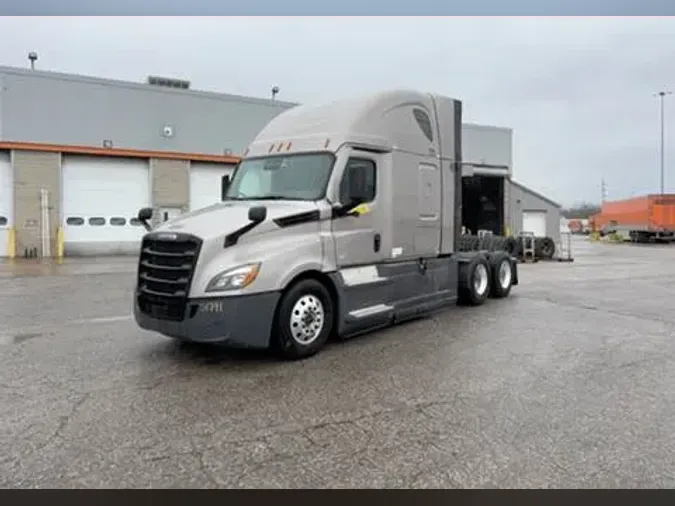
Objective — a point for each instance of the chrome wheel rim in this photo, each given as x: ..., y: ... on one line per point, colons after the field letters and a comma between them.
x: 307, y: 319
x: 480, y: 279
x: 505, y: 274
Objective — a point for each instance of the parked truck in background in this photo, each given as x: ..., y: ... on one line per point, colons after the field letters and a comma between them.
x: 338, y: 220
x: 640, y: 219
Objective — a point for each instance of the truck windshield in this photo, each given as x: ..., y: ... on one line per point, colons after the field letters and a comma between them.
x: 292, y: 177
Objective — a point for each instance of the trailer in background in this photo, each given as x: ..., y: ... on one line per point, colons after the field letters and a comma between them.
x: 642, y: 219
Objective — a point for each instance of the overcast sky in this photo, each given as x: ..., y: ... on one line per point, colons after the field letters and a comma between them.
x: 578, y: 92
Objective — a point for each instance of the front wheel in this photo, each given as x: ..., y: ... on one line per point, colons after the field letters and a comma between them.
x: 304, y: 320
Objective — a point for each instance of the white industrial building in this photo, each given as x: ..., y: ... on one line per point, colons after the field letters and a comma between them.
x: 80, y: 155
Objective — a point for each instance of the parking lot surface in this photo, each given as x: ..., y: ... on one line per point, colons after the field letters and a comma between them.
x: 568, y: 383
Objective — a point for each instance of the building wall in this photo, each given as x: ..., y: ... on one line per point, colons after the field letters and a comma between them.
x: 34, y: 171
x: 523, y: 199
x: 53, y: 108
x: 170, y: 184
x: 484, y: 145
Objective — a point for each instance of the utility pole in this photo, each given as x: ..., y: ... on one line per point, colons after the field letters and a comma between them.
x: 603, y: 190
x: 662, y: 96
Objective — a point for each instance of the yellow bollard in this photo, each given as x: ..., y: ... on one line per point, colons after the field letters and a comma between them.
x: 59, y: 244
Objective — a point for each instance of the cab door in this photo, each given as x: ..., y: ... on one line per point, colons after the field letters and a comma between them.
x: 359, y: 238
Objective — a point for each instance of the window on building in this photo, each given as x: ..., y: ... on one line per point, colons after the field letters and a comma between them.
x: 424, y: 123
x: 75, y: 221
x: 3, y: 221
x: 97, y: 221
x: 358, y: 180
x: 118, y: 222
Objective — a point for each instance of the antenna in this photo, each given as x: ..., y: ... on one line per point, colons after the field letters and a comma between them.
x: 32, y: 56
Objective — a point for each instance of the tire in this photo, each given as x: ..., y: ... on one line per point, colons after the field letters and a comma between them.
x: 511, y: 246
x: 501, y: 270
x: 547, y: 248
x: 463, y: 243
x: 537, y: 247
x: 474, y: 281
x: 294, y: 339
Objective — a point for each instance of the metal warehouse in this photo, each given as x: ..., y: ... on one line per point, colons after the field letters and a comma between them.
x: 80, y: 155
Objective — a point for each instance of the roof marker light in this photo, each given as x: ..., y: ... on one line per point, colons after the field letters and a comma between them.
x: 327, y: 142
x: 281, y: 145
x: 288, y: 148
x: 271, y: 148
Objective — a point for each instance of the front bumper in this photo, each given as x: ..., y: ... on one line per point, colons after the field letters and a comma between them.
x: 238, y: 322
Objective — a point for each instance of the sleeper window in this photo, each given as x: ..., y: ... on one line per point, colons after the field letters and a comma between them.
x: 424, y: 123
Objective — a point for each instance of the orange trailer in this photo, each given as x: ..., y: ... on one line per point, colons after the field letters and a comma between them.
x: 647, y: 218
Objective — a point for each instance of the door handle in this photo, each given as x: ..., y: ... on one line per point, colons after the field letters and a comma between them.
x: 376, y: 242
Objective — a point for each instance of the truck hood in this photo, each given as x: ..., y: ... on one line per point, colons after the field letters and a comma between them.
x: 223, y: 218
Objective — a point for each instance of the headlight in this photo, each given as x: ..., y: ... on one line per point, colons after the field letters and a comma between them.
x: 234, y: 279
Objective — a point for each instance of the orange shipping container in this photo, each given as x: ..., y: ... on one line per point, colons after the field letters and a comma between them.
x: 653, y: 213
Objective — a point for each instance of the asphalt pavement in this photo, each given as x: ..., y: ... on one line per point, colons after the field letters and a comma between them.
x: 568, y: 383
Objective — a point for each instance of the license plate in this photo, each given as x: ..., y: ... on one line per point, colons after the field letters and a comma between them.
x: 158, y: 311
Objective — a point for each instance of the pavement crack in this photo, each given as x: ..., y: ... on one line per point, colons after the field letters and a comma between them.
x: 63, y: 423
x: 203, y: 468
x: 594, y: 308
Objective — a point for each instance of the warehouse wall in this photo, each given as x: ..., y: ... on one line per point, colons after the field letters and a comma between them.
x: 34, y: 171
x: 53, y: 108
x: 170, y: 185
x: 523, y: 199
x: 488, y: 146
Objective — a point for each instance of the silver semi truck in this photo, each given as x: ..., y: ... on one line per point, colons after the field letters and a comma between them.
x: 339, y: 219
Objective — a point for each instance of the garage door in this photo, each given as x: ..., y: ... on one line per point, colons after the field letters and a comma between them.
x: 205, y: 182
x: 6, y: 202
x: 535, y: 222
x: 101, y: 198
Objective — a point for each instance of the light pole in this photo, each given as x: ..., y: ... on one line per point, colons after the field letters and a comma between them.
x: 662, y: 96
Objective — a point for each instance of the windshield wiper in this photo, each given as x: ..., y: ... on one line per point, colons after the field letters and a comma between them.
x: 273, y: 197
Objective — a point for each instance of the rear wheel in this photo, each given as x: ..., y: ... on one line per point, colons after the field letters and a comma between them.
x: 501, y: 268
x: 304, y: 320
x: 474, y: 281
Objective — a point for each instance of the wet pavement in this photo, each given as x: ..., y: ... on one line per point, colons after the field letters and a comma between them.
x: 568, y: 383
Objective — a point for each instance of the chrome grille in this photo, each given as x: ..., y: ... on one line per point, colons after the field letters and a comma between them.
x: 165, y: 271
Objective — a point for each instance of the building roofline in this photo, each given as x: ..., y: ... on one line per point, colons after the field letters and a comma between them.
x: 536, y: 194
x: 141, y: 86
x: 118, y: 152
x: 482, y: 126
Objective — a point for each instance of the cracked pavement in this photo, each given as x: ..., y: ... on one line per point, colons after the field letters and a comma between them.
x: 568, y: 383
